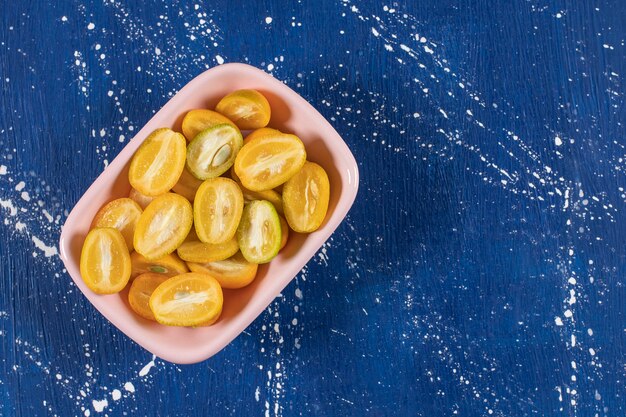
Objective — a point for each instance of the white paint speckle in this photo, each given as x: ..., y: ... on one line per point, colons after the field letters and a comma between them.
x: 299, y: 294
x: 99, y: 406
x: 270, y: 67
x: 64, y: 19
x: 47, y: 250
x: 91, y: 26
x: 558, y: 321
x: 558, y: 141
x: 146, y: 369
x: 20, y: 186
x: 3, y: 170
x: 257, y: 393
x: 567, y: 313
x: 268, y: 20
x: 219, y: 59
x: 129, y: 387
x: 116, y: 394
x: 157, y: 51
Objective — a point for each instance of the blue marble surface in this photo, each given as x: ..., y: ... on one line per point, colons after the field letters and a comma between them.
x: 479, y: 273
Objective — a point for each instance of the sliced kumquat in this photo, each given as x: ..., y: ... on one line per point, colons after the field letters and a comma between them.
x: 168, y: 265
x: 217, y: 210
x: 191, y: 299
x: 140, y: 291
x: 197, y: 251
x: 195, y: 121
x: 305, y: 198
x: 121, y: 214
x: 269, y: 160
x: 141, y: 199
x: 248, y: 109
x: 259, y: 233
x: 284, y: 230
x: 234, y: 272
x: 158, y: 163
x: 212, y: 152
x: 105, y: 261
x: 187, y: 185
x: 163, y: 226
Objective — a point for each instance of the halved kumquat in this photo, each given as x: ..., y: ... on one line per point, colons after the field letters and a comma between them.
x: 105, y: 261
x: 191, y: 299
x: 158, y: 163
x: 163, y: 226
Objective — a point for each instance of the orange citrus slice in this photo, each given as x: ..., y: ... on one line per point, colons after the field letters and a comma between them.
x: 187, y: 185
x: 141, y: 199
x: 195, y: 251
x: 212, y: 152
x: 168, y: 265
x: 259, y: 234
x: 191, y: 299
x: 305, y: 198
x: 234, y: 272
x: 195, y: 121
x: 163, y: 226
x: 104, y: 261
x: 284, y: 230
x: 217, y: 210
x: 249, y: 109
x: 269, y: 160
x: 140, y: 291
x: 121, y: 214
x: 158, y: 163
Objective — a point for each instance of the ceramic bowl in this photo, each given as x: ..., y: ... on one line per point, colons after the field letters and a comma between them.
x: 290, y: 113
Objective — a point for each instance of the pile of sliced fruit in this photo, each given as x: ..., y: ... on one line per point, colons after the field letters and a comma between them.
x: 205, y: 201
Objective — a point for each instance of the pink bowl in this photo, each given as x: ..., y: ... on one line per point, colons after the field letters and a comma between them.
x: 290, y: 113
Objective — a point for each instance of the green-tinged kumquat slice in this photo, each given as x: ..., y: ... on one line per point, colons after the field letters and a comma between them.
x: 212, y: 152
x: 259, y: 233
x: 195, y: 121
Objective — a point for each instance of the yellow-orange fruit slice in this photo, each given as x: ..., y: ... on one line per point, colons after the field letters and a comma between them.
x: 121, y: 214
x: 191, y: 299
x: 163, y: 226
x: 248, y: 109
x: 195, y: 251
x: 284, y: 230
x: 141, y: 199
x: 104, y: 261
x: 217, y: 210
x: 305, y: 198
x: 234, y: 272
x: 140, y: 291
x: 168, y: 265
x: 158, y: 163
x: 195, y: 121
x: 267, y: 161
x: 187, y: 185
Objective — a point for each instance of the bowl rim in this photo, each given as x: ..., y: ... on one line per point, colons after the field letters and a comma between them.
x: 240, y: 322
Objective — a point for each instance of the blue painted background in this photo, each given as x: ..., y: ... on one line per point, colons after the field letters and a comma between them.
x: 480, y: 271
